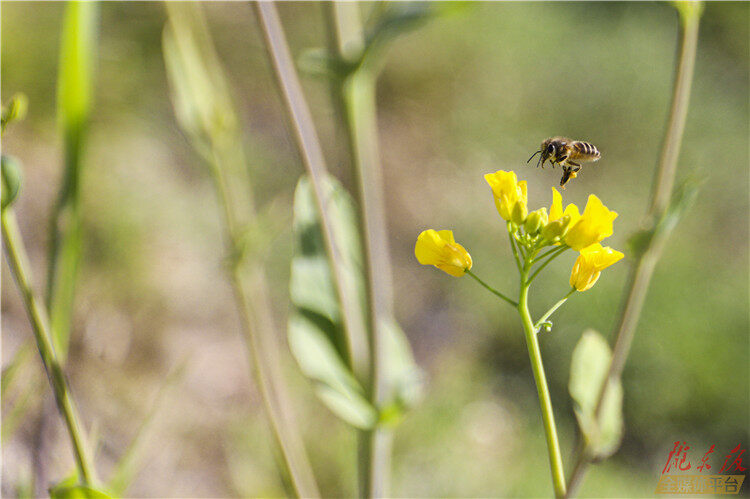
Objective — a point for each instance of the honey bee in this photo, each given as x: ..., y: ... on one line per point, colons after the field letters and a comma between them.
x: 567, y: 153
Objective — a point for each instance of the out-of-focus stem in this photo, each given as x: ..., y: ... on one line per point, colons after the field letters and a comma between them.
x: 77, y: 60
x: 18, y: 261
x: 640, y: 276
x: 313, y: 160
x: 197, y: 75
x: 357, y: 93
x: 257, y: 325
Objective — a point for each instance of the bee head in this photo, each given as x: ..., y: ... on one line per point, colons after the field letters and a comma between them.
x: 548, y: 150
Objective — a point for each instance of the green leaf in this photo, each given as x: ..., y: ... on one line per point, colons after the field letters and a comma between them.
x: 316, y: 335
x: 403, y: 376
x: 12, y: 176
x: 588, y: 370
x: 69, y: 488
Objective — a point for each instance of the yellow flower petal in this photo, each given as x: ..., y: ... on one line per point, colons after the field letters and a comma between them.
x: 594, y: 225
x: 556, y: 210
x: 440, y: 249
x: 589, y: 264
x: 508, y: 192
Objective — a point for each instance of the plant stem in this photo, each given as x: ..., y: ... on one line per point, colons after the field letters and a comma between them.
x: 555, y: 254
x: 640, y: 276
x: 544, y: 255
x: 75, y: 75
x: 257, y: 325
x: 312, y: 158
x: 18, y: 261
x: 491, y: 289
x: 513, y: 247
x: 192, y: 61
x: 548, y: 418
x: 552, y: 310
x: 357, y: 93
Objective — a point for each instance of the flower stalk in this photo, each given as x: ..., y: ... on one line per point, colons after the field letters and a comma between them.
x: 16, y: 255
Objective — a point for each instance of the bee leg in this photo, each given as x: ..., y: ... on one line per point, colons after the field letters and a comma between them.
x: 575, y: 164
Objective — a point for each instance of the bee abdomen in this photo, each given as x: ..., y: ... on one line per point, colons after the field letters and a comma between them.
x: 587, y: 150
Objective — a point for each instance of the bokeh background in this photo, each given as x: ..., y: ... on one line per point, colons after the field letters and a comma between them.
x: 463, y: 95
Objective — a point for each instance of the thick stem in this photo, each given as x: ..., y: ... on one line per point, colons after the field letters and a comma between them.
x: 357, y: 93
x: 640, y: 276
x: 548, y: 418
x: 18, y: 261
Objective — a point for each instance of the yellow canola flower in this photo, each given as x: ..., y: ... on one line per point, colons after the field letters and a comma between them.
x: 591, y: 261
x: 508, y: 193
x: 438, y: 248
x: 556, y: 211
x: 594, y: 225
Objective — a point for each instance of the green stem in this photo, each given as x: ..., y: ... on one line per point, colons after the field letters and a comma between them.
x: 18, y: 261
x: 257, y: 324
x: 314, y: 162
x: 555, y: 254
x: 358, y: 97
x: 552, y: 310
x: 513, y: 247
x: 491, y: 289
x: 544, y: 255
x: 640, y: 276
x: 548, y: 418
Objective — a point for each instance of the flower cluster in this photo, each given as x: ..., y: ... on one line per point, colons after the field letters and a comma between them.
x: 564, y: 228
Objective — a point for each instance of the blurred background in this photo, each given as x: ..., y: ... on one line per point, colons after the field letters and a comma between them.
x: 462, y: 96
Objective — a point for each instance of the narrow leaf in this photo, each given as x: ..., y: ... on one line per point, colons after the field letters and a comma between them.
x: 74, y: 91
x: 588, y: 370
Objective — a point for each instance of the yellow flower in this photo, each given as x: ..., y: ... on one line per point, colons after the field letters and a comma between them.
x: 594, y: 225
x: 556, y: 212
x: 438, y: 248
x: 592, y: 260
x: 508, y: 193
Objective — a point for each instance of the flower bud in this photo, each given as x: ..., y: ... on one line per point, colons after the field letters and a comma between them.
x: 535, y: 221
x: 556, y: 229
x: 439, y: 248
x: 520, y: 211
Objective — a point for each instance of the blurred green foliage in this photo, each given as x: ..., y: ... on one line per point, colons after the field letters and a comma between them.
x: 459, y: 97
